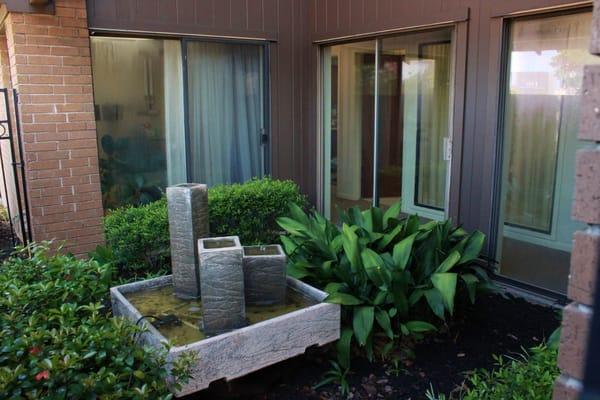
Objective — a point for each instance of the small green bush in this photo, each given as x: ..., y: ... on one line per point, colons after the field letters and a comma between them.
x: 250, y: 210
x: 60, y: 342
x: 394, y: 276
x: 138, y: 237
x: 530, y: 377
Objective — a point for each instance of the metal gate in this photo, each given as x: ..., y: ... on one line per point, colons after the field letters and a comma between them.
x: 13, y: 189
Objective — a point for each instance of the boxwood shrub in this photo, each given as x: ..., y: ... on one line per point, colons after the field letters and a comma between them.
x: 60, y: 341
x: 138, y: 237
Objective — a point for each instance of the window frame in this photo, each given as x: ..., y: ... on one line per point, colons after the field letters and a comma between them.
x: 457, y: 117
x: 267, y: 139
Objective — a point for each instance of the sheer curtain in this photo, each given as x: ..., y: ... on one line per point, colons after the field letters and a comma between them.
x: 434, y: 90
x: 225, y: 100
x: 174, y: 121
x: 547, y: 57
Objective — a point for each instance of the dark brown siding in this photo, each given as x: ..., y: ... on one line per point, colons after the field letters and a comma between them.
x: 281, y: 22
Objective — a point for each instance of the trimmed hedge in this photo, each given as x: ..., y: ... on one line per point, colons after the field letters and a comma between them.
x: 138, y: 237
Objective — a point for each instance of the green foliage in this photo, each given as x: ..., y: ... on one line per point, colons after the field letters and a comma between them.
x: 60, y: 342
x: 530, y: 377
x: 394, y: 276
x: 250, y: 210
x: 138, y: 237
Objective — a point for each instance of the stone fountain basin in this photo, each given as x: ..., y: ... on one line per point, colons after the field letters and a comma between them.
x: 242, y: 351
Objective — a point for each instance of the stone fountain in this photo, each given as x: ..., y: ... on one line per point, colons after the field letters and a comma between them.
x: 230, y: 304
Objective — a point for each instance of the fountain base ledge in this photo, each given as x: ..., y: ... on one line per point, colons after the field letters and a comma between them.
x: 242, y: 351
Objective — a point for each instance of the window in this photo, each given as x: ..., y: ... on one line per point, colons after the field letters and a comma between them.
x: 148, y: 138
x: 387, y: 109
x: 541, y: 118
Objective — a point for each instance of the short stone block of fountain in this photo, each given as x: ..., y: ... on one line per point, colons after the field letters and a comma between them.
x: 187, y: 205
x: 264, y: 274
x: 275, y: 333
x: 222, y: 284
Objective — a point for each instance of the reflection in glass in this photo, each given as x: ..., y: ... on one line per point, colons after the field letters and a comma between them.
x: 413, y: 115
x: 349, y: 76
x: 540, y: 140
x: 415, y: 93
x: 139, y: 117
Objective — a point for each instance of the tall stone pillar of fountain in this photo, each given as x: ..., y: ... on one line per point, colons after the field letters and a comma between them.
x: 222, y: 284
x: 187, y: 206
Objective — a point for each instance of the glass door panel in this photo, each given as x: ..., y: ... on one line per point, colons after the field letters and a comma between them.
x: 415, y: 99
x: 225, y: 85
x: 348, y: 116
x: 541, y: 121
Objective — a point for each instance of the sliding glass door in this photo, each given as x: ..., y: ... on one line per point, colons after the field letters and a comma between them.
x: 541, y: 119
x: 170, y: 111
x: 387, y: 117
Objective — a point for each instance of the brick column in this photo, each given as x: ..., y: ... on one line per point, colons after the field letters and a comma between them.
x: 586, y: 247
x: 50, y: 67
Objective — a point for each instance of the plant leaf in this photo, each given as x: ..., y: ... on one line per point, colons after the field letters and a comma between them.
x: 449, y: 262
x: 435, y: 302
x: 473, y: 247
x: 471, y: 282
x: 344, y: 299
x: 402, y: 251
x: 363, y: 323
x: 383, y: 319
x: 343, y: 347
x: 391, y: 212
x: 420, y: 326
x: 351, y: 249
x: 446, y: 284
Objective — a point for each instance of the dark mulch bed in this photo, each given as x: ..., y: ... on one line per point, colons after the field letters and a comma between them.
x: 495, y: 325
x: 6, y: 240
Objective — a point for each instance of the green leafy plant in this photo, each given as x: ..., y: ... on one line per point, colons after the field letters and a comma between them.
x: 394, y: 276
x: 250, y: 210
x: 59, y: 341
x: 138, y: 237
x: 530, y: 376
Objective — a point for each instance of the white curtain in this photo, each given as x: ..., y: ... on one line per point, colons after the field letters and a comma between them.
x: 225, y: 111
x: 174, y: 121
x: 547, y: 58
x: 349, y: 137
x: 434, y: 90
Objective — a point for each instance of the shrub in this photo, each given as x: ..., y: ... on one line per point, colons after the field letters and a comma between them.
x: 138, y: 237
x: 394, y: 276
x: 250, y: 210
x: 530, y: 377
x: 60, y: 342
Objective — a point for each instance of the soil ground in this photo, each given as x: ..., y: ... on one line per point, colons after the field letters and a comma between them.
x: 494, y: 325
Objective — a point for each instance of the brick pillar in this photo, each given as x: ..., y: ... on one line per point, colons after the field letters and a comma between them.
x: 586, y: 247
x: 50, y: 67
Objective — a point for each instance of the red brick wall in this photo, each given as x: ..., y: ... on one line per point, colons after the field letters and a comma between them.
x: 51, y: 69
x: 586, y: 249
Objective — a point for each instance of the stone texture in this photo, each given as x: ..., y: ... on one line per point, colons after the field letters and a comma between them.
x: 595, y: 43
x: 222, y: 284
x: 586, y: 203
x: 585, y: 259
x: 573, y: 339
x: 264, y: 274
x: 188, y: 221
x: 240, y: 352
x: 566, y: 388
x: 589, y: 128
